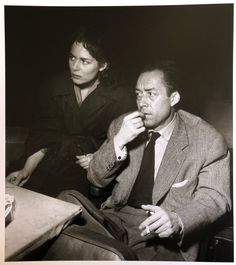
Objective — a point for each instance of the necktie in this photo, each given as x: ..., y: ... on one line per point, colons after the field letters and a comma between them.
x: 141, y: 192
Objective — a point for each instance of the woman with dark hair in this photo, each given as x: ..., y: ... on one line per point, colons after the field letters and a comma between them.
x: 74, y: 113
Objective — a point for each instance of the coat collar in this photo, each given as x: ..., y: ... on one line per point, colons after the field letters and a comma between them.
x: 63, y: 87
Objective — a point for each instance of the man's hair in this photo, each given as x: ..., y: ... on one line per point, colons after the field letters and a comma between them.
x: 170, y: 71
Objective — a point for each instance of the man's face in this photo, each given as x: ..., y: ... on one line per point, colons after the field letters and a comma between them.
x: 153, y: 100
x: 83, y: 67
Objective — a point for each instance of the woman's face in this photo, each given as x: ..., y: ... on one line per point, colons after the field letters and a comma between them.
x: 83, y: 67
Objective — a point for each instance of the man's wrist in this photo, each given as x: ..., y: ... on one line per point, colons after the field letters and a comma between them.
x: 121, y: 154
x: 179, y: 224
x: 178, y: 234
x: 119, y: 142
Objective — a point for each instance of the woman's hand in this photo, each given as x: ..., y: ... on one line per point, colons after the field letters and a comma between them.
x: 19, y: 177
x: 84, y: 160
x: 161, y: 222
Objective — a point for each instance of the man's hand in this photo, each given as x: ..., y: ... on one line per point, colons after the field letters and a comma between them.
x: 84, y: 160
x: 161, y: 222
x: 131, y: 127
x: 18, y: 177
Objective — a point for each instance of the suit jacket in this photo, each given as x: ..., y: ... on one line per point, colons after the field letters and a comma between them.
x: 193, y: 179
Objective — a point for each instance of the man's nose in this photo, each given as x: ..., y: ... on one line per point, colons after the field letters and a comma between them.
x: 143, y: 101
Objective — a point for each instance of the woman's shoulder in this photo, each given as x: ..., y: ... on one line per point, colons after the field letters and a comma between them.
x: 121, y: 98
x: 57, y: 84
x: 117, y: 91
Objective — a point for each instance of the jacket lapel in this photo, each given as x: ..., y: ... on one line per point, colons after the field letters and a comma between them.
x: 172, y: 161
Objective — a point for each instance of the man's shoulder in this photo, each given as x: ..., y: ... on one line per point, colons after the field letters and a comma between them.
x: 189, y: 118
x: 193, y: 120
x: 198, y: 127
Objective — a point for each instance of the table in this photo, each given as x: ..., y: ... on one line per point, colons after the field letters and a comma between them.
x: 37, y: 219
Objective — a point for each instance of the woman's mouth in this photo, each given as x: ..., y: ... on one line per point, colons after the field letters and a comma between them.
x: 75, y: 76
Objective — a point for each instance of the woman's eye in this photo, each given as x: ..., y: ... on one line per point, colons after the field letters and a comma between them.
x: 72, y: 58
x: 85, y: 61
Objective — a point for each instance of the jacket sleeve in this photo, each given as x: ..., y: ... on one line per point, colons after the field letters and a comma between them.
x: 104, y: 165
x: 211, y: 199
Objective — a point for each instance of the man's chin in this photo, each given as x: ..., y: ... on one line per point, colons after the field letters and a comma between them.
x: 149, y: 124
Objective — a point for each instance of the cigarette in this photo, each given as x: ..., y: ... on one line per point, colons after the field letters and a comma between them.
x: 150, y: 213
x: 148, y: 230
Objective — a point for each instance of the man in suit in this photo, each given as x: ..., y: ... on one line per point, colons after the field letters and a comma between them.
x: 168, y: 190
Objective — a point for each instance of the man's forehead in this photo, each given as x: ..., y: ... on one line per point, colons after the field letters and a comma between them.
x: 150, y: 79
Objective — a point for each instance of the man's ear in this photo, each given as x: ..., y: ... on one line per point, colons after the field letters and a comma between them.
x: 174, y: 98
x: 103, y: 66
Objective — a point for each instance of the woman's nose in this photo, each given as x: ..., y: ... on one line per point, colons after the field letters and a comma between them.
x: 75, y: 65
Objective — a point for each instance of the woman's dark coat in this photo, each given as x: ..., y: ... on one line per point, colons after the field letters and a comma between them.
x: 68, y: 129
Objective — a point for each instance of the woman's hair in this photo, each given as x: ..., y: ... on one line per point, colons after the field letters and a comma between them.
x: 95, y: 41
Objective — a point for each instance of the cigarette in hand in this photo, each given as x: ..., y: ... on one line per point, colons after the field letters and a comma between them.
x: 149, y: 213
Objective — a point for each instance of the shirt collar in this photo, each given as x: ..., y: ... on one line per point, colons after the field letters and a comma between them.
x: 167, y: 130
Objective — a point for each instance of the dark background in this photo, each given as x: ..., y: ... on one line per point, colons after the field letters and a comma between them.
x: 198, y: 37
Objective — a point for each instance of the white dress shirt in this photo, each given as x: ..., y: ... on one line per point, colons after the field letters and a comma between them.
x: 161, y: 143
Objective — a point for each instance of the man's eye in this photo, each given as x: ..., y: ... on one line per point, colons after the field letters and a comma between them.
x: 138, y: 94
x: 151, y: 94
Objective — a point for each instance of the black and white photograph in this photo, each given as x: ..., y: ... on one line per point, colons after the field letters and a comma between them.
x: 118, y: 132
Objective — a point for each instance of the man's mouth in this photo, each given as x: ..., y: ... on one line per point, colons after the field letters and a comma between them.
x: 146, y: 114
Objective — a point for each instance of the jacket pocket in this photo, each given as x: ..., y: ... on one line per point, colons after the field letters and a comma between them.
x: 180, y: 184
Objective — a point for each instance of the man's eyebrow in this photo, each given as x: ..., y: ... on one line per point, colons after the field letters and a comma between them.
x: 149, y: 88
x: 146, y: 89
